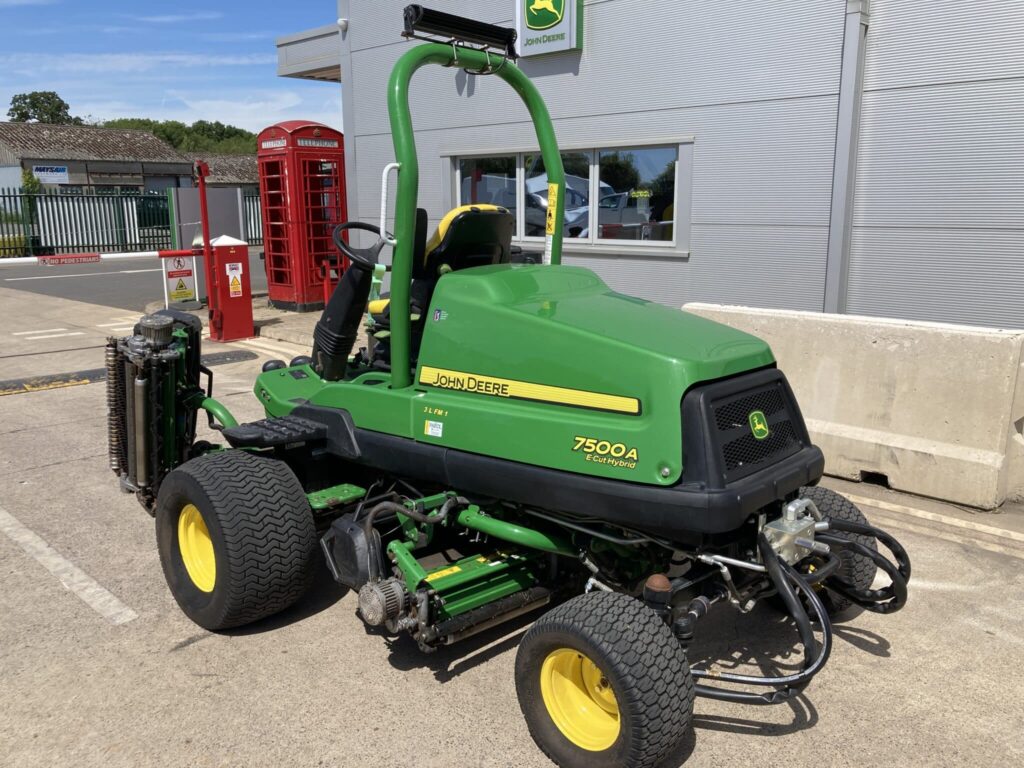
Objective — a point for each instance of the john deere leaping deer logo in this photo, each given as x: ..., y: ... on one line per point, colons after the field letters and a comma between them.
x: 758, y: 425
x: 543, y: 14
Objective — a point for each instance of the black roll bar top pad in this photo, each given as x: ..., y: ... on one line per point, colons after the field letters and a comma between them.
x: 424, y: 21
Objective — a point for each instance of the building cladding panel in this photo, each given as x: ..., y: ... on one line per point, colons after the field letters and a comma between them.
x: 938, y: 200
x: 939, y: 203
x: 756, y: 92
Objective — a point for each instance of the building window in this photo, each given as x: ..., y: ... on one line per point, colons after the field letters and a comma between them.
x: 488, y: 180
x: 620, y: 194
x: 577, y: 194
x: 637, y: 193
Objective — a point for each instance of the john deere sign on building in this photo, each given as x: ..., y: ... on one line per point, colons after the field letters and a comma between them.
x: 548, y: 26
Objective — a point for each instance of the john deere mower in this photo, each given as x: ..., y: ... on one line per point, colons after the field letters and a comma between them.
x: 512, y: 437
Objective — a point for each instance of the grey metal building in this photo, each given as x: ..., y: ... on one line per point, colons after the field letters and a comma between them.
x: 833, y: 155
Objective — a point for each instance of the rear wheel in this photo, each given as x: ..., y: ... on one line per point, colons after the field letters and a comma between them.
x: 855, y: 569
x: 236, y: 538
x: 603, y: 682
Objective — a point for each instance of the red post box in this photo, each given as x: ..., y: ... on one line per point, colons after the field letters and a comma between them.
x: 302, y: 199
x: 231, y: 309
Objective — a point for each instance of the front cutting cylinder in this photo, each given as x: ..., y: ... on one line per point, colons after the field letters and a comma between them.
x: 152, y: 395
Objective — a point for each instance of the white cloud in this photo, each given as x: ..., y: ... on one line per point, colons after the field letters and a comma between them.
x: 234, y: 37
x: 178, y: 18
x: 253, y: 110
x: 129, y: 62
x: 256, y: 110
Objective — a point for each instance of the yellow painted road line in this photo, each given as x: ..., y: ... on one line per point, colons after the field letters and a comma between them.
x: 30, y: 387
x: 84, y: 586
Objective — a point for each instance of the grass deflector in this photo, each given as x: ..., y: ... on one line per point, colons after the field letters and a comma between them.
x: 513, y: 436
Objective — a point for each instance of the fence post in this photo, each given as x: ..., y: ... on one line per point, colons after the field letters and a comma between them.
x: 27, y: 215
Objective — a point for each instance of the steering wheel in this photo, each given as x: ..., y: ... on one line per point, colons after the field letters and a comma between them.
x: 364, y: 257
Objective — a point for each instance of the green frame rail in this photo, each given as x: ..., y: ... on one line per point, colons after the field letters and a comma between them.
x: 408, y: 174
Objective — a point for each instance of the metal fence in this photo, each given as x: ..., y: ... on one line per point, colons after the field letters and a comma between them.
x: 47, y: 223
x: 252, y: 221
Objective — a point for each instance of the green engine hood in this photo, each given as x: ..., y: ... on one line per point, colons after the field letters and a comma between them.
x: 549, y: 366
x: 563, y: 325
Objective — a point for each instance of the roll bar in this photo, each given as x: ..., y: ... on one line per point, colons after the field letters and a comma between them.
x: 447, y: 55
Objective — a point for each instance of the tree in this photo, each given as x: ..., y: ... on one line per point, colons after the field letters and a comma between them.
x: 30, y: 185
x: 201, y: 136
x: 618, y: 169
x: 41, y: 107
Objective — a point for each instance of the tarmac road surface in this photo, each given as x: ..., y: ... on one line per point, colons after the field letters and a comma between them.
x: 123, y: 283
x: 98, y: 667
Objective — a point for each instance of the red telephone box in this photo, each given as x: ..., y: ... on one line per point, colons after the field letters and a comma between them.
x: 302, y: 197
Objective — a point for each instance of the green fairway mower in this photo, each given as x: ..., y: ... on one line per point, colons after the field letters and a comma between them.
x: 513, y: 436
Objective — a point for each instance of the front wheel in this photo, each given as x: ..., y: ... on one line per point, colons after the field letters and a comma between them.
x: 603, y: 683
x: 236, y: 537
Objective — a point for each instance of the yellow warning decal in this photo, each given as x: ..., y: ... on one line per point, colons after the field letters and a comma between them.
x: 524, y: 390
x: 443, y: 572
x: 549, y: 226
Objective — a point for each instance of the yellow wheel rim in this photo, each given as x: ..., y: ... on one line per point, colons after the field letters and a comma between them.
x: 580, y: 700
x: 196, y: 548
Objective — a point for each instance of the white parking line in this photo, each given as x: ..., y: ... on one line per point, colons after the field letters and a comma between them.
x: 82, y: 274
x: 108, y: 325
x: 41, y: 330
x: 54, y: 335
x: 935, y: 517
x: 70, y: 575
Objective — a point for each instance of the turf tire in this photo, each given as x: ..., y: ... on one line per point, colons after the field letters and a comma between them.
x: 262, y: 531
x: 642, y: 660
x: 855, y: 569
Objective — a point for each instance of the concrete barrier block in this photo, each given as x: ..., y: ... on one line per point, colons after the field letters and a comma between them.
x: 938, y: 409
x: 1015, y: 443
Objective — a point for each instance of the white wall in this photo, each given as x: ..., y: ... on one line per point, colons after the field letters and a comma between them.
x: 10, y: 176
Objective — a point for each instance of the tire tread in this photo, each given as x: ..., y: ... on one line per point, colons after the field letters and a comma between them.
x: 268, y: 530
x: 659, y: 691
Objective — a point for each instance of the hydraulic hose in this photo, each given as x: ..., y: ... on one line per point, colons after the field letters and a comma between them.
x: 786, y: 581
x: 414, y: 514
x: 888, y: 599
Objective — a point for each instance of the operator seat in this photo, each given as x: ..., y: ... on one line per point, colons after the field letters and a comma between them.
x: 468, y: 236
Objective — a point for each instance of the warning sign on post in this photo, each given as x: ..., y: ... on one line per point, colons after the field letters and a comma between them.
x: 180, y: 278
x: 234, y: 270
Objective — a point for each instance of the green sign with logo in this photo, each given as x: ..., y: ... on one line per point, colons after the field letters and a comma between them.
x: 758, y: 425
x: 549, y: 26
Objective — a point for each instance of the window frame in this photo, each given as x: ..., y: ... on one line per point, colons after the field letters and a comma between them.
x: 678, y: 246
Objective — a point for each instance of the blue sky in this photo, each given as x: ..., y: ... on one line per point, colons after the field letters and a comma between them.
x: 167, y: 61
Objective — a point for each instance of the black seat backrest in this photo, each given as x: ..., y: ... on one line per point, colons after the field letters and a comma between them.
x: 475, y: 236
x: 419, y: 245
